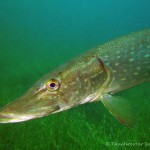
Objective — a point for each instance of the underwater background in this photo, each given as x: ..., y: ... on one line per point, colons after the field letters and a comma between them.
x: 35, y: 37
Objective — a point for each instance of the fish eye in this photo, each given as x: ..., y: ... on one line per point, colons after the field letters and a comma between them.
x: 53, y: 85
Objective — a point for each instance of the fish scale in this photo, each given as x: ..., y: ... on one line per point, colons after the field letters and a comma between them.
x: 133, y: 51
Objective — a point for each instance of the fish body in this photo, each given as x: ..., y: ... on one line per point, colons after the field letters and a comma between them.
x: 96, y: 75
x: 129, y: 59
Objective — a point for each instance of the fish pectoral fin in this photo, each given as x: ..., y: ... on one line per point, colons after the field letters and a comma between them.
x: 119, y: 108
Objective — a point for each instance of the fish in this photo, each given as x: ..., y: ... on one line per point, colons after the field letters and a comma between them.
x: 96, y: 75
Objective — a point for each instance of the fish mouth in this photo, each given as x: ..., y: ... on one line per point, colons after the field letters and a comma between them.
x: 28, y: 107
x: 14, y: 117
x: 12, y: 114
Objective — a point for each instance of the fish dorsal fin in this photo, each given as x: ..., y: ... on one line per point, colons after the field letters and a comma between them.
x: 119, y: 108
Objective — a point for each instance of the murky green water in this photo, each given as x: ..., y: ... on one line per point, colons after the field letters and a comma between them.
x: 37, y: 36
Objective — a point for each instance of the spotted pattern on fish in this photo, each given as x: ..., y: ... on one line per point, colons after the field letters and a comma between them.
x: 129, y: 59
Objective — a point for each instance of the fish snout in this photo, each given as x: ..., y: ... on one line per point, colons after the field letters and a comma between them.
x: 13, y: 113
x: 10, y: 117
x: 28, y: 107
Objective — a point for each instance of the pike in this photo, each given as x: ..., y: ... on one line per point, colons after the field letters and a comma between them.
x: 94, y: 76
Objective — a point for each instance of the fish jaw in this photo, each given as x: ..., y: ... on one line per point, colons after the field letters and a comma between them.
x: 29, y: 106
x: 10, y: 117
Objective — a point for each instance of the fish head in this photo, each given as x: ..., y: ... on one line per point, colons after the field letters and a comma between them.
x: 57, y: 91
